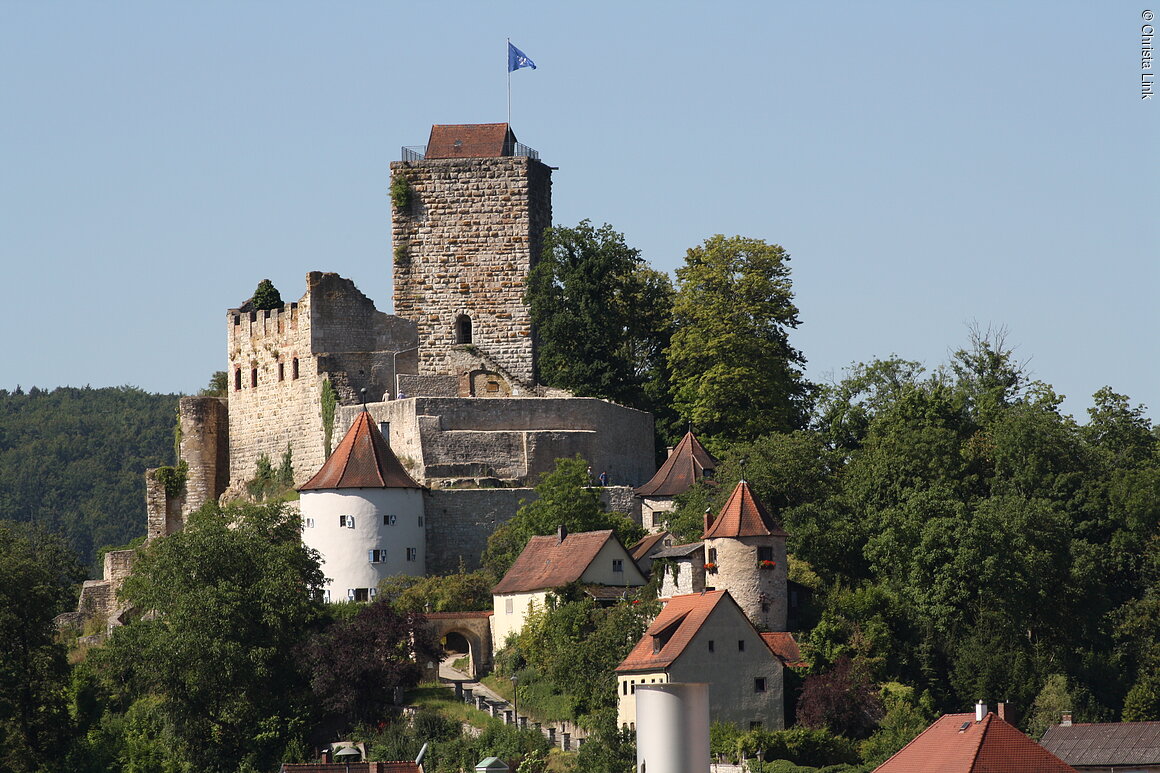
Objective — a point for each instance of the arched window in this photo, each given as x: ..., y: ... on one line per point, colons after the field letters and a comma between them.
x: 463, y: 329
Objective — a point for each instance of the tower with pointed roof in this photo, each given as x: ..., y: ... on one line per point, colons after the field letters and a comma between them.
x: 469, y: 214
x: 745, y: 554
x: 363, y: 513
x: 687, y: 463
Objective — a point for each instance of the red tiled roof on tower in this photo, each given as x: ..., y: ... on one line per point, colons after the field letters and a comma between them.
x: 549, y: 562
x: 470, y: 140
x: 362, y: 460
x: 684, y: 467
x: 743, y: 516
x: 956, y: 743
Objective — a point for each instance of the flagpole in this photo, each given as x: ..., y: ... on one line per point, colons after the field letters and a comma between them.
x: 509, y: 83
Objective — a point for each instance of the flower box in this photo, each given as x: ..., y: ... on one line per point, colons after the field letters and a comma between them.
x: 767, y: 564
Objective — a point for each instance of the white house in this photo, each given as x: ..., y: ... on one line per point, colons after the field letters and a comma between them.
x: 364, y: 514
x: 546, y: 563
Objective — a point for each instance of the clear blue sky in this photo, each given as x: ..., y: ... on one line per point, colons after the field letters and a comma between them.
x: 928, y: 166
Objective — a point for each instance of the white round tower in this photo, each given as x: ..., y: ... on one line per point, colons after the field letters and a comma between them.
x: 745, y: 555
x: 364, y: 515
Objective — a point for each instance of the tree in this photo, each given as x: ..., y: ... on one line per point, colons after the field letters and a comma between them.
x: 229, y: 600
x: 266, y: 296
x: 218, y: 385
x: 37, y: 577
x: 842, y: 700
x: 601, y: 316
x: 357, y: 664
x: 565, y: 497
x: 734, y: 373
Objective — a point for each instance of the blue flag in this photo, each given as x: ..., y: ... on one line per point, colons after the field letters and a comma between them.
x: 518, y: 59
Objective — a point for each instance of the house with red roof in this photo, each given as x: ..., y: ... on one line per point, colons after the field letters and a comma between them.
x: 363, y: 513
x: 706, y: 637
x: 687, y: 463
x: 973, y: 743
x: 593, y: 558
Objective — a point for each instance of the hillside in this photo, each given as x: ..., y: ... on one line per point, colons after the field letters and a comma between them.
x: 72, y: 459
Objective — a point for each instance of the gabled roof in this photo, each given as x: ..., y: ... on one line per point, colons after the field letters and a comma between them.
x: 743, y: 516
x: 785, y: 647
x: 956, y: 743
x: 679, y: 551
x: 470, y: 140
x: 548, y: 562
x: 1106, y: 744
x: 362, y: 460
x: 641, y: 549
x: 684, y: 467
x: 673, y: 630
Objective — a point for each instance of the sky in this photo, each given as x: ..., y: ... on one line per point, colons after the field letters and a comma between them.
x: 931, y: 167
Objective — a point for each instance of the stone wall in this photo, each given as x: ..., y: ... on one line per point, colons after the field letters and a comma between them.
x: 279, y: 359
x: 761, y: 593
x: 459, y: 521
x: 163, y: 514
x: 204, y: 447
x: 463, y: 248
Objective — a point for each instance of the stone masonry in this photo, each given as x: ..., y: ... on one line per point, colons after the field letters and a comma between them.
x: 463, y: 248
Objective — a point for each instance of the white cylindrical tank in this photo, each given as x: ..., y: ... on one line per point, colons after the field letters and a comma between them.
x: 672, y: 728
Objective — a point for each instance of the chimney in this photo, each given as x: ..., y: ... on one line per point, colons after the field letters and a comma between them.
x: 980, y: 711
x: 1006, y: 712
x: 669, y: 451
x: 1066, y: 720
x: 561, y: 533
x: 708, y: 519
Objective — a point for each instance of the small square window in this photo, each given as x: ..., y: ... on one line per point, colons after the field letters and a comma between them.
x: 281, y: 371
x: 308, y: 523
x: 420, y: 522
x: 618, y: 565
x: 389, y: 520
x: 377, y: 556
x: 765, y: 553
x: 741, y: 645
x: 326, y: 596
x: 412, y: 554
x: 346, y: 521
x: 507, y: 606
x: 759, y: 684
x: 711, y: 646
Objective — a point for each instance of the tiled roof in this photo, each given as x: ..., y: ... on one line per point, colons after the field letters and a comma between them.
x: 640, y: 549
x: 1107, y: 744
x: 362, y: 460
x: 687, y: 614
x: 956, y: 743
x: 549, y: 563
x: 684, y: 467
x: 679, y: 551
x: 743, y: 516
x: 455, y: 615
x: 470, y: 140
x: 785, y: 647
x: 351, y: 767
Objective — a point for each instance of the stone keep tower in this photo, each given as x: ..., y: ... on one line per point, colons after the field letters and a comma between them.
x: 468, y: 220
x: 746, y: 549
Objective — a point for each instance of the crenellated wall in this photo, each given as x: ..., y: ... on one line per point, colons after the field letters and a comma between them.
x: 463, y: 247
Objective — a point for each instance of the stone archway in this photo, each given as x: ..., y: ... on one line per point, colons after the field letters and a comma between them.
x: 466, y: 633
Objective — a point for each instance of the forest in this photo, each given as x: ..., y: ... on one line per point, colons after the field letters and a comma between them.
x: 955, y: 535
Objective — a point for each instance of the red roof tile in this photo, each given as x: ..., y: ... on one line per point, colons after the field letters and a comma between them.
x: 546, y: 562
x: 743, y: 516
x: 641, y: 549
x: 785, y: 647
x: 676, y: 626
x: 684, y: 467
x: 362, y: 460
x: 956, y: 743
x: 470, y: 140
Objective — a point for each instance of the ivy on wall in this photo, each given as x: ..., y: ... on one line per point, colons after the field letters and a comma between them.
x: 329, y: 403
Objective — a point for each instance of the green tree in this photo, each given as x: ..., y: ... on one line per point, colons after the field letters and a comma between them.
x: 734, y: 373
x: 460, y: 592
x: 565, y: 497
x: 37, y: 582
x: 1050, y: 703
x: 601, y: 316
x: 218, y: 385
x: 229, y: 600
x: 266, y: 296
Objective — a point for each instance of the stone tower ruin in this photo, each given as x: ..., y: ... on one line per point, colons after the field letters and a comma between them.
x: 469, y: 212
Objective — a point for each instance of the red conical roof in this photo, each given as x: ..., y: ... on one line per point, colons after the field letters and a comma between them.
x: 743, y: 516
x: 684, y: 467
x: 362, y: 460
